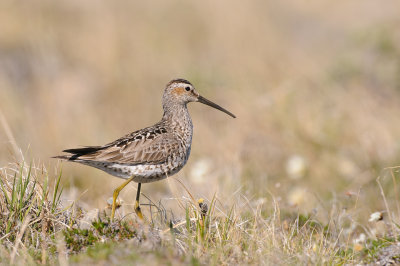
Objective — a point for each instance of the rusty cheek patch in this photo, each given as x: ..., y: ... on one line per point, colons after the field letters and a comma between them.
x: 179, y: 90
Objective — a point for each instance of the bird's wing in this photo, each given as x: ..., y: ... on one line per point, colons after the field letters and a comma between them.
x: 147, y: 146
x: 144, y: 151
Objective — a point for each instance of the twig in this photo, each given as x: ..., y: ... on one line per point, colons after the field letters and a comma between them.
x: 386, y: 204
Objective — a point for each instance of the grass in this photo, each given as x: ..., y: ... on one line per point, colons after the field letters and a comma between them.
x: 31, y: 215
x: 37, y: 228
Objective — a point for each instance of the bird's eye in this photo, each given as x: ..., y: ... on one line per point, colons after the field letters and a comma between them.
x: 187, y: 88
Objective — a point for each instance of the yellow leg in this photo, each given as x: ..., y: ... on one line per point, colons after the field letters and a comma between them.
x: 137, y: 205
x: 138, y: 211
x: 115, y: 195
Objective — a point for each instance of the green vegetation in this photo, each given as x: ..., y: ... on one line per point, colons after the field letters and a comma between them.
x: 36, y: 228
x: 30, y: 215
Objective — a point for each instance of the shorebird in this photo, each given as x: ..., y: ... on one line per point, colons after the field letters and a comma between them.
x: 152, y: 153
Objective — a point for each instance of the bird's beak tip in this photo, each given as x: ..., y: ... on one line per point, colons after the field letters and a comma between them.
x: 214, y: 105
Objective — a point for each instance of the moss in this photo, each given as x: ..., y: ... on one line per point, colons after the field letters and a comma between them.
x: 374, y: 246
x: 76, y: 239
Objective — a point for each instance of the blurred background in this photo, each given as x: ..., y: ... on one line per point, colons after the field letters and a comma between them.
x: 315, y: 86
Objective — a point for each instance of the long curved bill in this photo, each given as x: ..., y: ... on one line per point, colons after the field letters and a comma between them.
x: 216, y: 106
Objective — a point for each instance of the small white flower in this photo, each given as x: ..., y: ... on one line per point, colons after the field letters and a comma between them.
x: 361, y: 239
x: 199, y: 170
x: 376, y: 216
x: 260, y: 201
x: 297, y: 196
x: 296, y: 167
x: 118, y: 202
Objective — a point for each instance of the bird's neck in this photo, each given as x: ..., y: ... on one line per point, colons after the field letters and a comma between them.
x: 179, y: 120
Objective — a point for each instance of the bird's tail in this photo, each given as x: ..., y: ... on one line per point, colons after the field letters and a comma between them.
x: 76, y: 153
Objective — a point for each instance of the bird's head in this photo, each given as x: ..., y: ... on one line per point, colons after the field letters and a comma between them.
x: 181, y: 91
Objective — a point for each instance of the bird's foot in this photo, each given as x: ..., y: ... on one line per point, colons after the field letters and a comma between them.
x: 138, y: 211
x: 115, y: 204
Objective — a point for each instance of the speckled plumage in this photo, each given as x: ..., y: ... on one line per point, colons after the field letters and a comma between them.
x: 152, y: 153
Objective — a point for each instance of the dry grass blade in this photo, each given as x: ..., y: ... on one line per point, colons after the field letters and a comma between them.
x: 10, y: 136
x: 18, y: 239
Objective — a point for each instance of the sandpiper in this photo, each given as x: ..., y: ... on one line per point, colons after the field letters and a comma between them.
x: 152, y: 153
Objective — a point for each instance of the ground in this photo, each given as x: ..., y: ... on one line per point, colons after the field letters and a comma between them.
x: 39, y: 228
